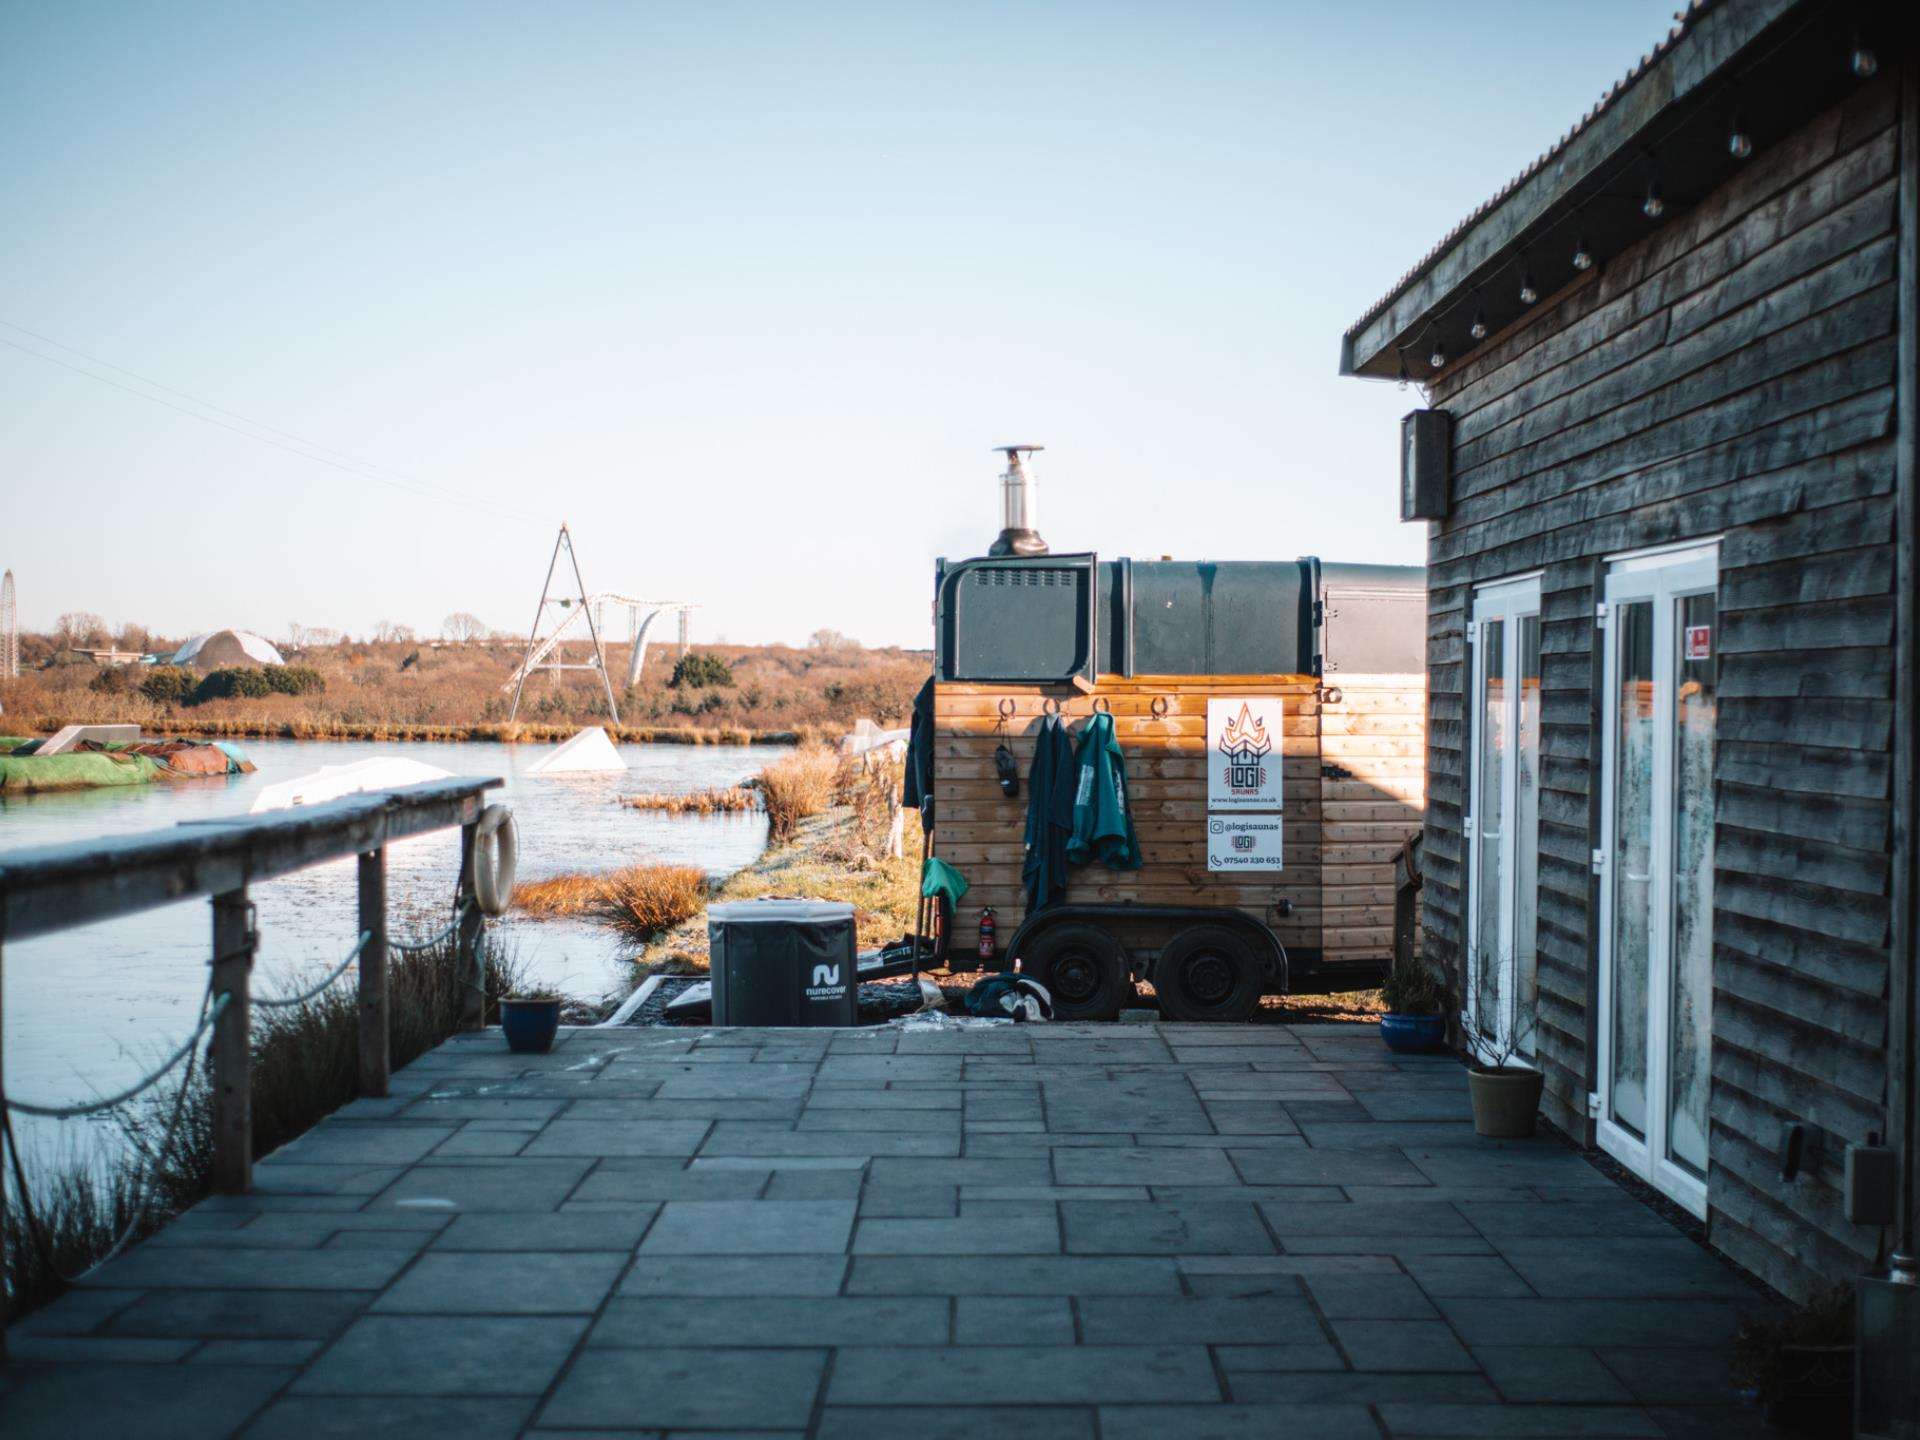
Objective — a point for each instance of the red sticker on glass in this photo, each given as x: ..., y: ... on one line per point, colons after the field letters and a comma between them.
x: 1699, y: 642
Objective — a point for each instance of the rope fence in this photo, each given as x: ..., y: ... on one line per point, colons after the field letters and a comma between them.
x: 287, y: 1002
x: 414, y: 947
x: 94, y: 1107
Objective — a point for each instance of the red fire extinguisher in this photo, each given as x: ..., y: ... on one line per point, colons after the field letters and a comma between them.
x: 986, y: 934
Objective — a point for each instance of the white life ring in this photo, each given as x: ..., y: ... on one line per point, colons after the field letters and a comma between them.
x: 496, y: 854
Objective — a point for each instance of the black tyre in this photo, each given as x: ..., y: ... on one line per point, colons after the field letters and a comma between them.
x: 1083, y: 968
x: 1209, y: 972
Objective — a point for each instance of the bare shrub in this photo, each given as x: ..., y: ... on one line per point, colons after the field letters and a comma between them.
x: 795, y: 787
x: 639, y: 901
x: 718, y: 800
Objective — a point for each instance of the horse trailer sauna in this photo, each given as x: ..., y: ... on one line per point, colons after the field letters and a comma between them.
x: 1271, y: 717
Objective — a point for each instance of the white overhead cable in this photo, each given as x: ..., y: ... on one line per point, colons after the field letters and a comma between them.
x: 291, y: 443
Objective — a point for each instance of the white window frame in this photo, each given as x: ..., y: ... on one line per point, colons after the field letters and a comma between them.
x: 1509, y: 601
x: 1662, y: 577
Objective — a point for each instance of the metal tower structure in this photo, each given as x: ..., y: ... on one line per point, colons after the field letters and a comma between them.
x: 549, y: 653
x: 9, y: 631
x: 551, y: 656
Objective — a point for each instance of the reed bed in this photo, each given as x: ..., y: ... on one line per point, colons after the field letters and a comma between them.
x: 639, y: 901
x: 305, y: 1065
x: 716, y: 800
x: 797, y: 787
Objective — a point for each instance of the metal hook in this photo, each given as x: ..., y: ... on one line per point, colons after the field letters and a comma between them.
x: 1160, y: 707
x: 1007, y: 707
x: 1102, y: 706
x: 1050, y: 705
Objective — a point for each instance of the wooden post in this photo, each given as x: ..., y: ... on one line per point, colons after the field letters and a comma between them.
x: 233, y: 943
x: 23, y: 1164
x: 376, y: 1062
x: 470, y: 968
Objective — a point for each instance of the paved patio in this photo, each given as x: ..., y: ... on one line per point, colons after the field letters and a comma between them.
x: 1134, y: 1232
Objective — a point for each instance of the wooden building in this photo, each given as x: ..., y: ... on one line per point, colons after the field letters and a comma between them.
x: 1668, y: 463
x: 1322, y: 658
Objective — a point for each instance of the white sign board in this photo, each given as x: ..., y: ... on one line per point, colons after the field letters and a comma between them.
x: 1243, y: 753
x: 1243, y: 842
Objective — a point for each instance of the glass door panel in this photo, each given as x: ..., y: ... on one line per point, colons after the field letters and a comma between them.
x: 1504, y: 819
x: 1692, y: 998
x: 1490, y: 821
x: 1526, y: 906
x: 1632, y: 861
x: 1656, y: 971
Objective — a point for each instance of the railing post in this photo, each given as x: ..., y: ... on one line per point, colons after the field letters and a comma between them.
x: 469, y: 968
x: 23, y: 1164
x: 233, y: 943
x: 376, y: 1063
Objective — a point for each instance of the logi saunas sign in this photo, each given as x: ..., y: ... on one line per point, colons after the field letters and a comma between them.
x: 1243, y: 754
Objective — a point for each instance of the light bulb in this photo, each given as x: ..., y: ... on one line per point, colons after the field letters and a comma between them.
x: 1653, y: 207
x: 1739, y: 143
x: 1527, y: 293
x: 1438, y: 359
x: 1866, y: 64
x: 1478, y: 330
x: 1582, y: 257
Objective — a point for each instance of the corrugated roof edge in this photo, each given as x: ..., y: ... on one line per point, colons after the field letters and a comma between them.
x: 1687, y: 20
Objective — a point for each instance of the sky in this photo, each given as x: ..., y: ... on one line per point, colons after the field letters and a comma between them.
x: 333, y: 313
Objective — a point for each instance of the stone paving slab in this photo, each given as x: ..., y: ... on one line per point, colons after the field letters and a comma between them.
x: 1140, y: 1232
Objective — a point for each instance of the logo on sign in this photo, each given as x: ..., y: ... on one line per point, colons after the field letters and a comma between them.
x: 1245, y: 743
x: 1243, y: 842
x: 826, y: 974
x: 1699, y: 642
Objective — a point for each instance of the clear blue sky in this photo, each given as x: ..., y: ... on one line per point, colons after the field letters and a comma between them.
x: 744, y: 292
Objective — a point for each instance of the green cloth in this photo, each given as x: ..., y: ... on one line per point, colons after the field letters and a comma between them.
x: 81, y: 770
x: 1050, y: 783
x: 939, y: 878
x: 1102, y: 823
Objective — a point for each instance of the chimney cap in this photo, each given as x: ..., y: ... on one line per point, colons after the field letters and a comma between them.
x: 1012, y: 450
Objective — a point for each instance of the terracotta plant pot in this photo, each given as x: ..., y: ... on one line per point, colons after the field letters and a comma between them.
x: 1505, y: 1101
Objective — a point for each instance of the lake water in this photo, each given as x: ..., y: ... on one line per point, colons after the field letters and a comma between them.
x: 87, y: 1010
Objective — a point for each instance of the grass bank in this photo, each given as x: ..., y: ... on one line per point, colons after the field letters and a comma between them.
x: 244, y: 727
x: 305, y: 1065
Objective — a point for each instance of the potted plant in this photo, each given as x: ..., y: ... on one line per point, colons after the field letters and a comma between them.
x: 1505, y: 1091
x: 530, y: 1022
x: 1799, y: 1369
x: 1416, y: 1000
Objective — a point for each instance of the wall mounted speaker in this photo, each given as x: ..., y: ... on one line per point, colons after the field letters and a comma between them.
x: 1426, y: 444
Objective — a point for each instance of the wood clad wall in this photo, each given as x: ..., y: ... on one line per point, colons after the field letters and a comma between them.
x: 1376, y: 734
x: 981, y: 831
x: 1358, y: 821
x: 1732, y: 375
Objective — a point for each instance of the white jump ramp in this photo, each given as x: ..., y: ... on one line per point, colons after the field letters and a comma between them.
x: 588, y: 751
x: 330, y: 782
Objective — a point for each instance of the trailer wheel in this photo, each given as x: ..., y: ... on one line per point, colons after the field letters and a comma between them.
x: 1207, y: 972
x: 1082, y: 968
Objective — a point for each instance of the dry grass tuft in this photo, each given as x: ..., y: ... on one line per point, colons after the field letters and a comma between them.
x: 639, y: 901
x: 796, y: 787
x: 717, y: 801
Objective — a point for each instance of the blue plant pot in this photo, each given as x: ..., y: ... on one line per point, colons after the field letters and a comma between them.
x: 530, y: 1025
x: 1412, y: 1034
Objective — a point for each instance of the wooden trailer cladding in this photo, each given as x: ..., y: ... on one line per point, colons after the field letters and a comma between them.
x: 1353, y: 763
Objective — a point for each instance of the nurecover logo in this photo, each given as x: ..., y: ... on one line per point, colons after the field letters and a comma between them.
x: 826, y: 983
x: 1245, y: 743
x: 826, y: 975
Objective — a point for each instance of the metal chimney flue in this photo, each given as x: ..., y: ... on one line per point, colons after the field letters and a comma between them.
x: 1019, y: 505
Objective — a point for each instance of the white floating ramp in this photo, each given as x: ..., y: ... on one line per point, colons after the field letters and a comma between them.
x: 587, y: 751
x: 330, y: 782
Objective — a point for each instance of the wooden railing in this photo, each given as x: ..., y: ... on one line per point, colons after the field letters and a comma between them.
x: 59, y: 887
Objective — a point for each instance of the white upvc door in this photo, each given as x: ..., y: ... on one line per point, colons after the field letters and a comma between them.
x: 1502, y: 824
x: 1656, y: 866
